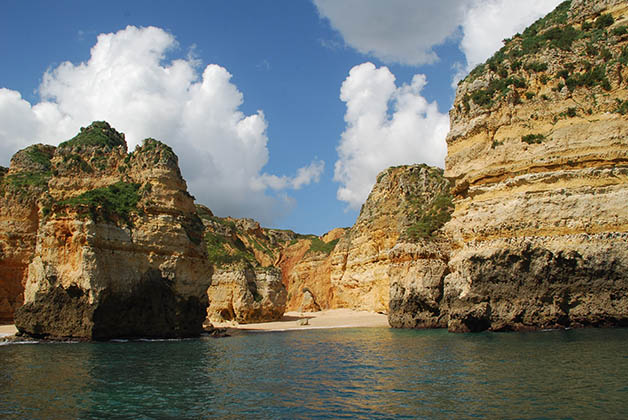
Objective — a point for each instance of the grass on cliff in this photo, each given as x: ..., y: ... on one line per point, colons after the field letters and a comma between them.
x: 39, y: 156
x: 553, y: 32
x: 163, y: 152
x: 433, y: 217
x: 21, y: 183
x: 533, y: 138
x: 110, y: 203
x: 99, y: 133
x: 222, y: 251
x: 319, y: 246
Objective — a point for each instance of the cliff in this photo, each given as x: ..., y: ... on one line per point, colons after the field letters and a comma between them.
x: 21, y: 187
x: 396, y: 251
x: 246, y: 286
x: 407, y: 205
x: 538, y: 157
x: 118, y: 248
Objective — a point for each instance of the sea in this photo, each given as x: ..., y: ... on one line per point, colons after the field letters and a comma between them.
x: 357, y: 373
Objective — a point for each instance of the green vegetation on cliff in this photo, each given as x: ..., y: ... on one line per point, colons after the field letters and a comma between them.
x: 110, y: 203
x: 588, y: 51
x: 160, y: 152
x: 222, y: 251
x: 22, y: 182
x: 434, y: 216
x: 32, y: 172
x: 319, y: 246
x: 99, y: 133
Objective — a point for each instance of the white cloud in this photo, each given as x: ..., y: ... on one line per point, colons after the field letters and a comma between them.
x: 394, y: 31
x: 406, y: 31
x: 487, y: 22
x: 305, y: 176
x: 129, y: 82
x: 386, y: 125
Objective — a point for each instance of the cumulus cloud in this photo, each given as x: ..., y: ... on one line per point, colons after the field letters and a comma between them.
x: 386, y: 126
x: 487, y: 22
x: 394, y: 31
x: 305, y: 176
x: 406, y: 31
x: 129, y: 82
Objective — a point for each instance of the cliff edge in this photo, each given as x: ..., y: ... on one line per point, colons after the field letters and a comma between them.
x: 538, y: 157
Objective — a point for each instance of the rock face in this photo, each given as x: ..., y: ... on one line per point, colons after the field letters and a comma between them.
x: 245, y: 294
x: 247, y: 286
x: 417, y: 273
x: 118, y: 247
x: 538, y: 155
x: 306, y: 268
x: 407, y: 205
x: 395, y: 252
x: 21, y: 187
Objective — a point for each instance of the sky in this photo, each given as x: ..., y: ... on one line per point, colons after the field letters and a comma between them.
x: 283, y: 111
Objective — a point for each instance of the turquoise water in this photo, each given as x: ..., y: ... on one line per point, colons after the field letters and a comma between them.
x: 350, y: 373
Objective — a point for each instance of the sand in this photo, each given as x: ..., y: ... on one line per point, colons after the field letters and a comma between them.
x: 7, y: 330
x: 333, y: 318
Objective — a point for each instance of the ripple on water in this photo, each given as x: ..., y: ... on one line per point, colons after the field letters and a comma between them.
x: 353, y: 373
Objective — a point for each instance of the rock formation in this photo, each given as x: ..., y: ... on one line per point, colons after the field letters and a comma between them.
x: 21, y: 187
x: 118, y: 246
x: 407, y: 205
x: 538, y: 156
x: 246, y: 286
x: 245, y: 294
x: 395, y: 252
x: 306, y: 268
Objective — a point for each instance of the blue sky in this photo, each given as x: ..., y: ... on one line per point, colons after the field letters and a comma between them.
x: 271, y: 105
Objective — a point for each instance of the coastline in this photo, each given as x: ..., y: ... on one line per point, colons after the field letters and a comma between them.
x: 7, y: 330
x: 291, y: 321
x: 327, y: 319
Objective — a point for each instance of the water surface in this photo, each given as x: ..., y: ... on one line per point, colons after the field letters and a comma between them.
x: 348, y: 373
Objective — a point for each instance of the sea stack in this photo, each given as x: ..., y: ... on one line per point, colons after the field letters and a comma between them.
x: 118, y: 246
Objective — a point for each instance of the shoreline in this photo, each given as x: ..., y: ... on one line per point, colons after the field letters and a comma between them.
x: 291, y: 321
x: 326, y: 319
x: 7, y: 330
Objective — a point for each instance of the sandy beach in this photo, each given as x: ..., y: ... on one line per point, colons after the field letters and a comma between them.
x: 7, y: 330
x: 333, y: 318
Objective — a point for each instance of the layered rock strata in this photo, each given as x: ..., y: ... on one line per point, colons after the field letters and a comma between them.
x: 247, y: 285
x: 245, y: 294
x: 118, y: 248
x: 404, y: 212
x: 21, y: 187
x: 538, y: 156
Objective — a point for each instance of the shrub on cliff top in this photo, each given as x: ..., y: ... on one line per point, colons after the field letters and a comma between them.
x: 604, y: 21
x: 99, y: 133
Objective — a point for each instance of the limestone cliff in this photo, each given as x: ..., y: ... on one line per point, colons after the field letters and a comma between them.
x: 306, y: 267
x: 21, y: 187
x: 538, y: 156
x: 246, y: 286
x: 243, y: 293
x: 118, y: 246
x: 407, y: 205
x: 395, y: 252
